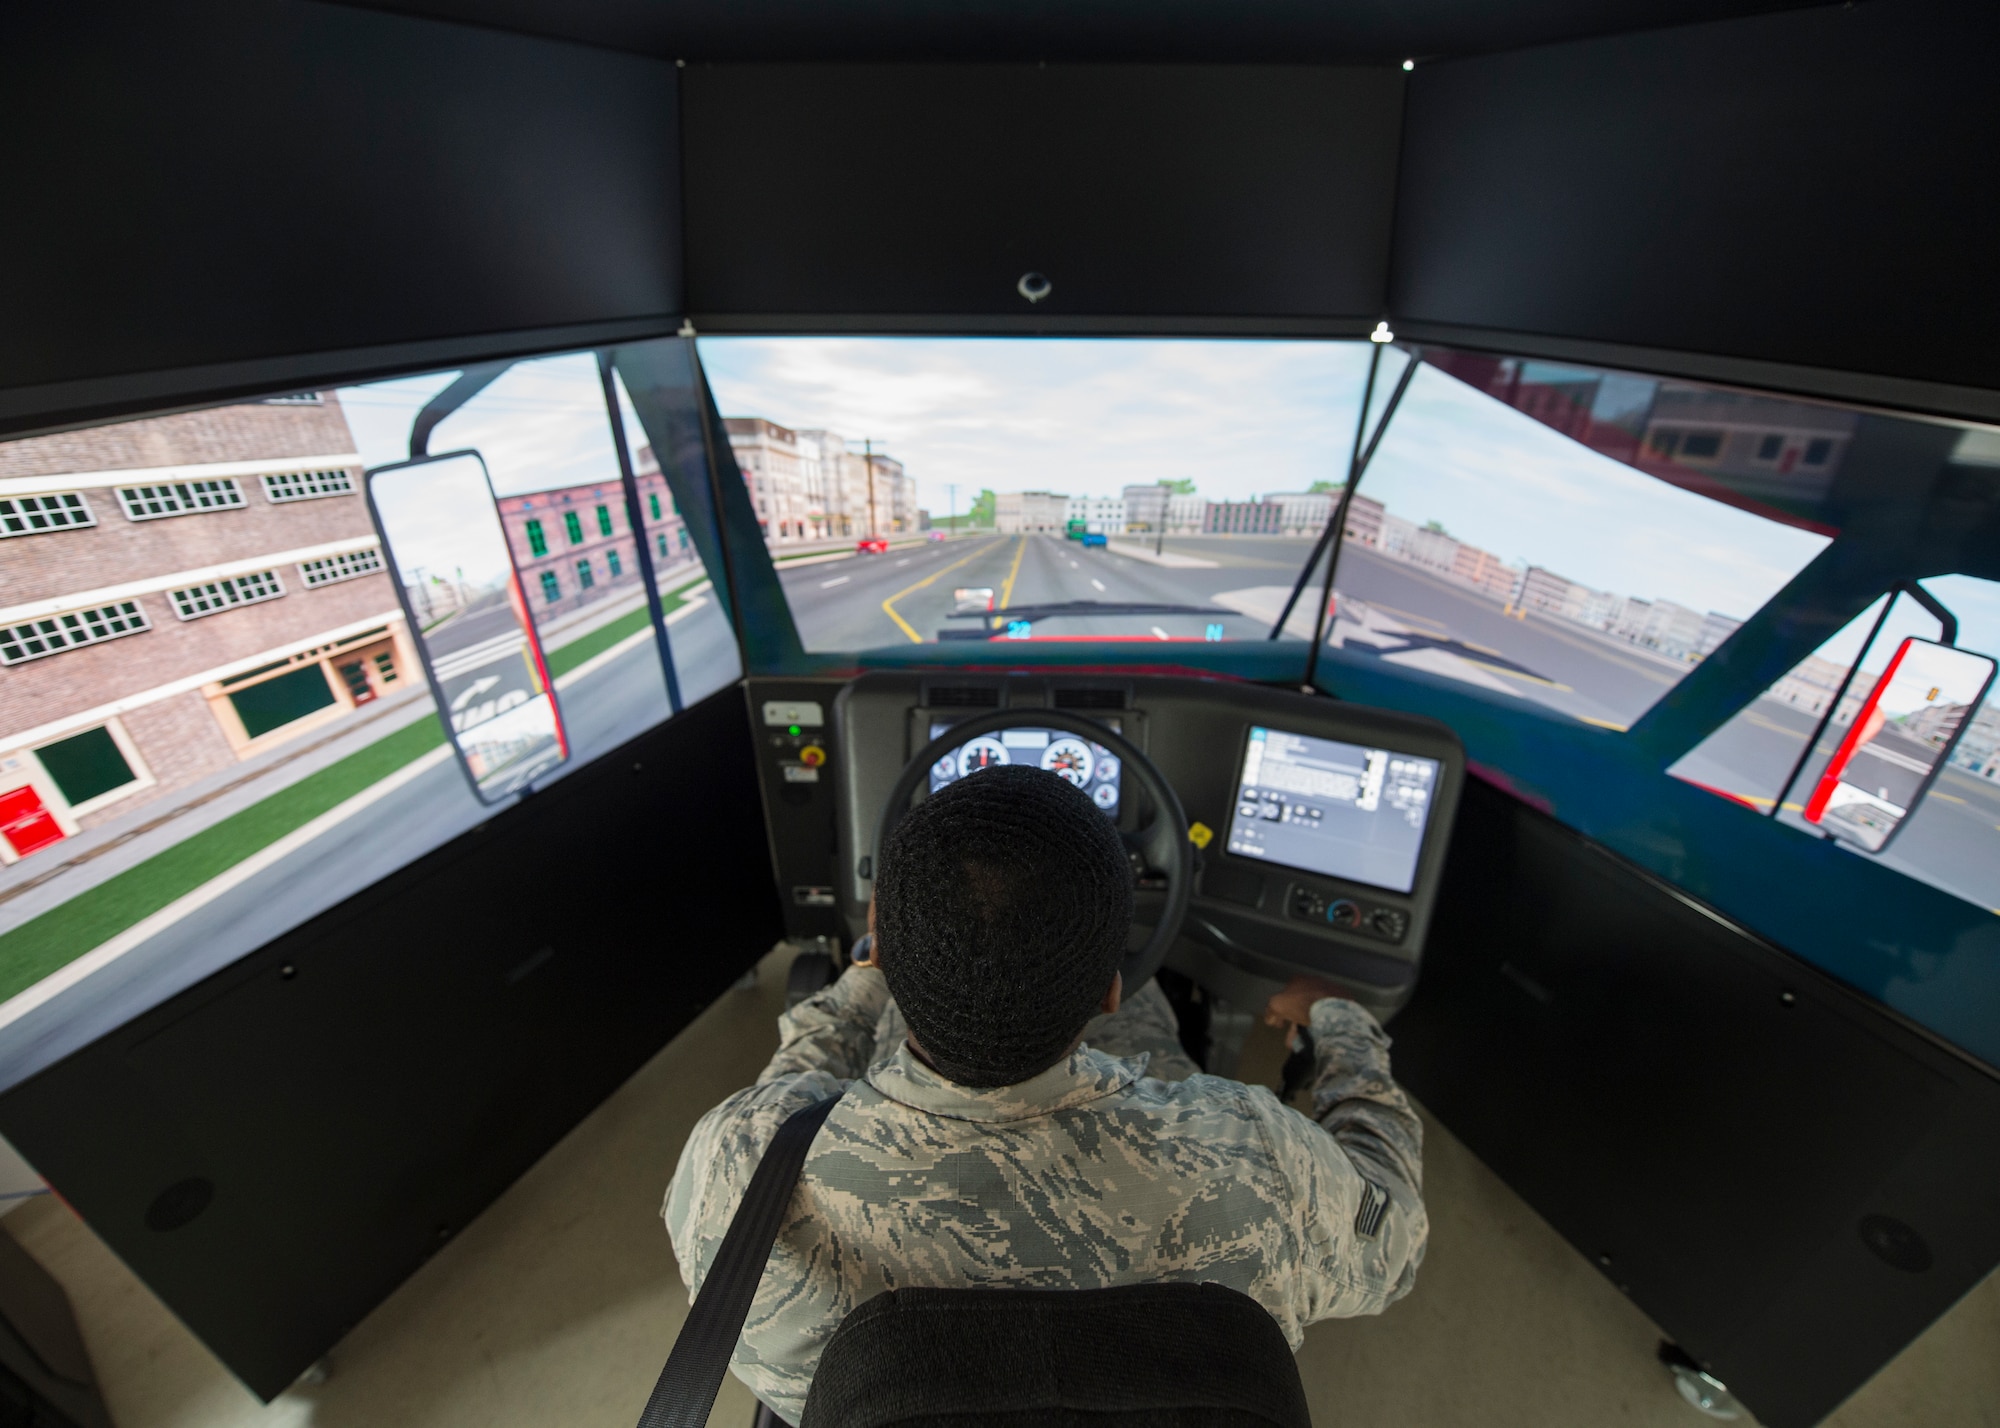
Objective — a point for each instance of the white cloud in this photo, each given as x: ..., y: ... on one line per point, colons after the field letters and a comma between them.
x: 1085, y: 417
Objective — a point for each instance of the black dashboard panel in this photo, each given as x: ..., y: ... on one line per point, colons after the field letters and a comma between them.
x: 1261, y: 919
x: 791, y: 722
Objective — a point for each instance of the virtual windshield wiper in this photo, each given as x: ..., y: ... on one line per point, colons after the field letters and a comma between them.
x: 1031, y: 614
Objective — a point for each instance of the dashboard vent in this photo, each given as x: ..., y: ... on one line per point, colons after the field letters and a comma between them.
x: 963, y: 696
x: 1090, y: 699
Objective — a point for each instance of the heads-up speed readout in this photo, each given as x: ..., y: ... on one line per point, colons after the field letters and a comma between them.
x: 1090, y: 766
x: 1337, y: 809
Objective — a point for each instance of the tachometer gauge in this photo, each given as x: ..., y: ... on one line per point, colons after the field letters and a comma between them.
x: 1105, y: 796
x: 981, y: 753
x: 945, y: 768
x: 1107, y: 765
x: 1070, y: 758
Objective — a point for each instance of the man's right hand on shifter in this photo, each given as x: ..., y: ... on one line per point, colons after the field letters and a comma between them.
x: 1292, y: 1007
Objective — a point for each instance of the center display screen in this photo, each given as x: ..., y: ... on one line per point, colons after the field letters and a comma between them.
x: 1337, y: 809
x: 1090, y: 766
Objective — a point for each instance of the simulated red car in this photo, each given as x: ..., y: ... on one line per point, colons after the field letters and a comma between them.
x: 872, y: 545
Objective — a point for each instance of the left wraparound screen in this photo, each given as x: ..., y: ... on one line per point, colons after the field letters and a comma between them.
x: 215, y: 721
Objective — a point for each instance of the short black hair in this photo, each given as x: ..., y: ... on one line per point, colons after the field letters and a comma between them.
x: 1002, y: 905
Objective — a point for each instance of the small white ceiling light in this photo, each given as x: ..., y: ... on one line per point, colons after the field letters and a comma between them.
x: 1409, y: 65
x: 1382, y: 333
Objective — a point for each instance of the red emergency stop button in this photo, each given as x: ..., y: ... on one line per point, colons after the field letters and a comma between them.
x: 812, y: 756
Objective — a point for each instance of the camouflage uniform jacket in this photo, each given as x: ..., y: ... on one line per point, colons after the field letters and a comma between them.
x: 1090, y: 1174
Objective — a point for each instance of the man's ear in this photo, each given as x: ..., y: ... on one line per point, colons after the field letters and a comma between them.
x: 1114, y: 994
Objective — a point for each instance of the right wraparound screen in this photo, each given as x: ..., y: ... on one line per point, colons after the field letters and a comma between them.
x: 1337, y: 809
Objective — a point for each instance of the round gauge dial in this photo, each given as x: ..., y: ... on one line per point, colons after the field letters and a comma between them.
x: 981, y: 753
x: 1069, y: 758
x: 945, y: 768
x: 1107, y: 765
x: 1105, y: 796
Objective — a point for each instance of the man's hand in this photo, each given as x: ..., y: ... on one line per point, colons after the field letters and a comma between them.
x: 1293, y: 1006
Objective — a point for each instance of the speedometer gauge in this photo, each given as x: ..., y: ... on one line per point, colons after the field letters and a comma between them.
x: 981, y: 753
x: 1070, y: 758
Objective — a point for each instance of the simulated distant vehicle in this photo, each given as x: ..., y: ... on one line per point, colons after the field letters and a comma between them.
x: 872, y: 545
x: 1095, y: 540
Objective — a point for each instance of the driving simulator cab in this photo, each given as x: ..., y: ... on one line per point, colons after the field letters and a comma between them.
x: 438, y: 664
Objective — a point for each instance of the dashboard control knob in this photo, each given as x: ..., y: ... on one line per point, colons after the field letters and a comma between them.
x: 1343, y: 913
x: 1389, y: 922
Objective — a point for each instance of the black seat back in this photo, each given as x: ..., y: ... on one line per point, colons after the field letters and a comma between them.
x: 1180, y: 1355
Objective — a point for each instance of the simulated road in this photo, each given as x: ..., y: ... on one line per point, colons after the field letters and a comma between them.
x: 1390, y: 610
x: 1240, y: 582
x: 1951, y: 840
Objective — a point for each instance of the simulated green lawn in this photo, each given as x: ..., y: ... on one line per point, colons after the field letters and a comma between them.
x: 62, y: 934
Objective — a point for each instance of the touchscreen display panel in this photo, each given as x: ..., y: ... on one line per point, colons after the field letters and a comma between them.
x: 1090, y: 766
x: 1337, y: 809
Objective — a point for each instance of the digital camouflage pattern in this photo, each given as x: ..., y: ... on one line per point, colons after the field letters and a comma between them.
x: 1094, y: 1173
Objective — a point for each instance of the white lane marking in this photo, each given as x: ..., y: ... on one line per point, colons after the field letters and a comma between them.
x: 1161, y: 633
x: 829, y: 584
x: 1074, y: 566
x: 1098, y: 583
x: 904, y: 561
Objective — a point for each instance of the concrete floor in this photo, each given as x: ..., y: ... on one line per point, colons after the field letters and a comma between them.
x: 558, y: 1305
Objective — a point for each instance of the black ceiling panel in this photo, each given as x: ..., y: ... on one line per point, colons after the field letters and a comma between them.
x: 1137, y: 190
x: 1208, y: 31
x: 1810, y: 188
x: 227, y: 180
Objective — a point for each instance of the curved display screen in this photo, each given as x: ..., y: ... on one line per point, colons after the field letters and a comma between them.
x: 1336, y: 809
x: 1090, y: 766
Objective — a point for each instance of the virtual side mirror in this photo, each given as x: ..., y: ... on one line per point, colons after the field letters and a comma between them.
x: 1901, y: 736
x: 455, y: 574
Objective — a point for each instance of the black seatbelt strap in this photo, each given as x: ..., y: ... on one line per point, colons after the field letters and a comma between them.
x: 693, y: 1372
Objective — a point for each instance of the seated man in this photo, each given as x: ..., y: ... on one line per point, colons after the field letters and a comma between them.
x: 1010, y: 1119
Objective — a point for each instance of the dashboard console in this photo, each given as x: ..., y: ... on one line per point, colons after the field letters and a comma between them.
x: 1321, y: 825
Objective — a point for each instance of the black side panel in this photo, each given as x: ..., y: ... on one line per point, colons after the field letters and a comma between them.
x: 278, y: 1148
x: 1789, y: 1182
x: 1792, y: 187
x: 911, y: 190
x: 225, y: 180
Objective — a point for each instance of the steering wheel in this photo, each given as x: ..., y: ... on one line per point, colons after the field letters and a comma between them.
x: 1161, y: 844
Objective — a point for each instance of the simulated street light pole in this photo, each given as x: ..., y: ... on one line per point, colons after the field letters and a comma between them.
x: 868, y: 455
x: 952, y: 524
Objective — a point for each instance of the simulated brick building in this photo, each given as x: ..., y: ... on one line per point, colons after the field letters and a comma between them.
x: 176, y: 595
x: 573, y: 545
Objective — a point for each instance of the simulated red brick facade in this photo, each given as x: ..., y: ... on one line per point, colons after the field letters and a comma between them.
x: 166, y: 691
x: 593, y: 506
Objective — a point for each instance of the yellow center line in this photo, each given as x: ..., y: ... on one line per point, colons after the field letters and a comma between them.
x: 1409, y: 615
x: 1515, y: 673
x: 1606, y: 724
x: 889, y: 605
x: 1007, y: 590
x: 1947, y: 797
